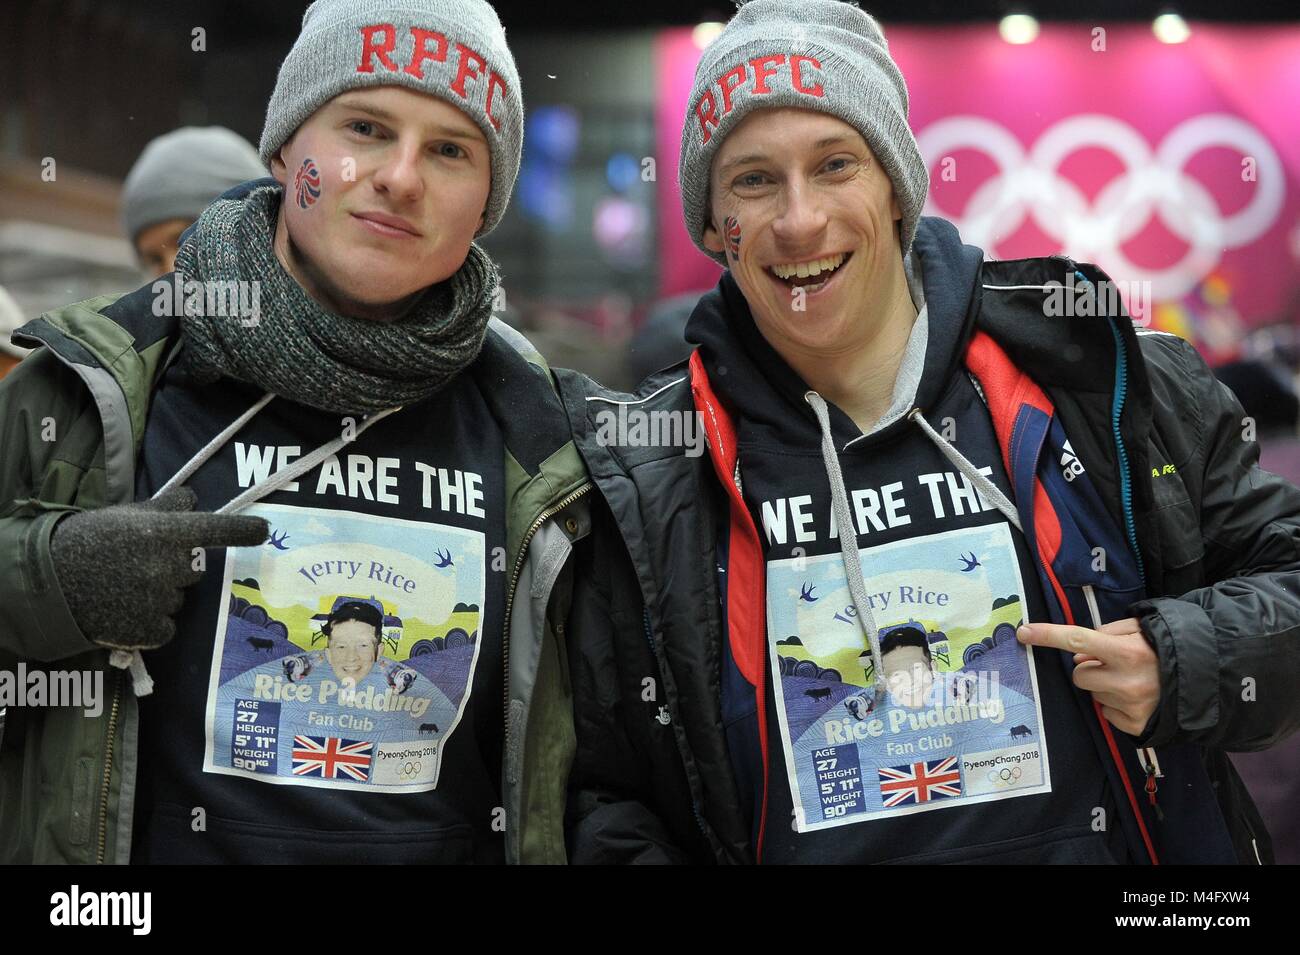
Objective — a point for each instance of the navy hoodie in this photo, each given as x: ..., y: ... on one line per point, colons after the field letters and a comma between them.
x: 969, y: 748
x: 320, y: 744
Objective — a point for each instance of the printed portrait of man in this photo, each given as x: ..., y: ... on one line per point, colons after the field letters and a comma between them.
x: 354, y: 631
x: 905, y: 658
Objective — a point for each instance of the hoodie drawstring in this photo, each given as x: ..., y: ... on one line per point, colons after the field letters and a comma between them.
x: 848, y: 538
x: 987, y: 489
x: 141, y: 682
x: 844, y: 519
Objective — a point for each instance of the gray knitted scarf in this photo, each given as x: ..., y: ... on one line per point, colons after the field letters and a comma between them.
x: 301, y: 351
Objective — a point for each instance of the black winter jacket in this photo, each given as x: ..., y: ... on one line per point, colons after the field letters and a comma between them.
x: 1218, y: 539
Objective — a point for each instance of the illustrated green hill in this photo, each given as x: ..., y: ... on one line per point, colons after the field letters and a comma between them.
x: 298, y: 619
x: 959, y: 638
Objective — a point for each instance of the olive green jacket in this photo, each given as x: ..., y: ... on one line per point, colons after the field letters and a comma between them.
x: 72, y: 420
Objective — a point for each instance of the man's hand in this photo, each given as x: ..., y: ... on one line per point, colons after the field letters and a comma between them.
x: 123, y: 569
x: 1115, y: 664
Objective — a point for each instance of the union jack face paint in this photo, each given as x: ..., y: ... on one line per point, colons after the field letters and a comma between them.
x: 306, y: 184
x: 731, y: 226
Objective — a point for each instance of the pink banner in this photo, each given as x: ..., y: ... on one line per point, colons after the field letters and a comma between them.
x: 1175, y: 168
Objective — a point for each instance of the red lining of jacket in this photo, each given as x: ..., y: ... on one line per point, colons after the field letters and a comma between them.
x: 746, y: 580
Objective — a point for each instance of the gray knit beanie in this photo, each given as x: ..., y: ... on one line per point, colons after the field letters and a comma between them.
x: 825, y: 55
x: 180, y: 172
x: 453, y: 49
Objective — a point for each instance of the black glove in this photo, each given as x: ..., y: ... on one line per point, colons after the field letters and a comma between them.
x: 122, y: 568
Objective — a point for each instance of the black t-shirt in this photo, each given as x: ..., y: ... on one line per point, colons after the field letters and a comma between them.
x: 334, y: 695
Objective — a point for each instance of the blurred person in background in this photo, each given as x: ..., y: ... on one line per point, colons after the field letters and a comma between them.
x: 899, y: 436
x: 661, y: 339
x: 176, y: 177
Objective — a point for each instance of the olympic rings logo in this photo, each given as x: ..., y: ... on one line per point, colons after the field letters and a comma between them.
x: 410, y: 769
x: 1154, y: 183
x: 1005, y: 776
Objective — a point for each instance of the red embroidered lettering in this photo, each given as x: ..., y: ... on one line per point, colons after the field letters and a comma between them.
x: 471, y: 65
x: 797, y: 78
x: 369, y: 47
x: 707, y: 117
x: 762, y: 72
x: 420, y: 51
x: 494, y: 82
x: 738, y: 77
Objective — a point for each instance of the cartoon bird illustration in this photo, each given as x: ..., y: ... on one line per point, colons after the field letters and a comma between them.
x: 806, y: 594
x: 444, y: 560
x: 971, y: 563
x: 278, y: 542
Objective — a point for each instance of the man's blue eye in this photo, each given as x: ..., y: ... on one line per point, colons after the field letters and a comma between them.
x: 451, y: 150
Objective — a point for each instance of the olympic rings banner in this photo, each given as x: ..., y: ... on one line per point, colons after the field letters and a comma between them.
x: 1175, y: 168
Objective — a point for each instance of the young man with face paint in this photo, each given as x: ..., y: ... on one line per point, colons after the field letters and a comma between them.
x: 1055, y: 520
x: 318, y: 413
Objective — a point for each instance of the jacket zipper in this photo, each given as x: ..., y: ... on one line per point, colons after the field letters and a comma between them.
x: 1151, y: 766
x: 108, y: 769
x: 654, y: 653
x: 1125, y: 477
x: 102, y: 845
x: 510, y: 599
x: 649, y: 635
x: 1146, y: 755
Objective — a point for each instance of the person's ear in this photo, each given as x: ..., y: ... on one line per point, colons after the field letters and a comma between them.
x: 712, y: 237
x: 278, y: 168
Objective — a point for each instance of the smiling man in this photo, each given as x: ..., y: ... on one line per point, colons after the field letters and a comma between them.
x: 1054, y: 530
x: 383, y: 456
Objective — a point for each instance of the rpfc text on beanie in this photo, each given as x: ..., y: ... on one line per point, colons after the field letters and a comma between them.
x: 825, y: 55
x: 453, y: 49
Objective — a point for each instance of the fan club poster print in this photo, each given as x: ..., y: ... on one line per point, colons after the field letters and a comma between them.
x: 957, y: 719
x: 289, y: 704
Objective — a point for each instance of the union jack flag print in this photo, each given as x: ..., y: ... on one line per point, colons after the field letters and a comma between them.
x: 328, y: 757
x: 732, y: 225
x: 306, y: 182
x: 920, y: 782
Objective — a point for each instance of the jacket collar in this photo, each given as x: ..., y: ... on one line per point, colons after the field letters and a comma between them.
x: 1090, y: 364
